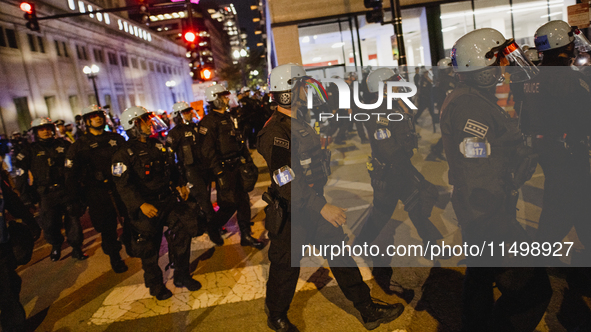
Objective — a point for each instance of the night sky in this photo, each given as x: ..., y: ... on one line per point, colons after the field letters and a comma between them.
x: 245, y: 16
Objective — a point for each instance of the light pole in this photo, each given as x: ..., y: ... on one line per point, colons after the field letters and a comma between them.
x: 239, y: 55
x: 170, y: 85
x: 92, y: 73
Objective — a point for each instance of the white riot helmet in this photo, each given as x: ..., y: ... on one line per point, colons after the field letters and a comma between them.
x: 180, y: 106
x: 552, y: 35
x: 444, y: 63
x: 479, y: 55
x: 42, y: 122
x: 533, y: 55
x: 212, y: 94
x: 179, y: 109
x: 133, y: 114
x: 379, y: 75
x: 39, y: 122
x: 93, y: 110
x: 285, y: 78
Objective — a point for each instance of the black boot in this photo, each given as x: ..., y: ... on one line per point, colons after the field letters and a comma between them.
x: 281, y: 324
x: 56, y: 253
x: 78, y: 254
x: 247, y: 240
x: 215, y: 237
x: 160, y: 292
x: 187, y: 282
x: 374, y: 314
x: 117, y: 264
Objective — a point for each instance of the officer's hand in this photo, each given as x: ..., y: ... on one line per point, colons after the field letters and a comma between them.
x: 184, y: 192
x: 149, y: 210
x: 334, y: 215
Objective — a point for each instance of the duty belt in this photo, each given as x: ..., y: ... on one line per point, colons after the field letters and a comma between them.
x: 231, y: 161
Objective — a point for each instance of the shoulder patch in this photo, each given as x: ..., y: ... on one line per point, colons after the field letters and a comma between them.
x: 118, y: 169
x: 584, y: 84
x: 475, y: 128
x: 280, y: 142
x: 202, y: 130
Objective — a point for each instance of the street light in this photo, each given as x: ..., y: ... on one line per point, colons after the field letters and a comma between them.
x: 170, y: 85
x: 92, y: 72
x: 238, y: 55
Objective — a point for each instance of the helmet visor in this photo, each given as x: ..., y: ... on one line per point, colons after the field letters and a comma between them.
x: 156, y: 124
x: 190, y: 112
x: 308, y: 90
x: 583, y: 48
x: 515, y: 61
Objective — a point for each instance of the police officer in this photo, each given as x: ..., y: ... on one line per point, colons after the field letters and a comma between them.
x: 425, y: 97
x: 12, y: 313
x: 446, y: 81
x: 556, y: 119
x: 45, y: 159
x: 148, y: 181
x: 298, y: 212
x: 225, y: 153
x: 393, y: 177
x: 88, y: 176
x: 488, y: 162
x: 184, y: 140
x: 345, y: 116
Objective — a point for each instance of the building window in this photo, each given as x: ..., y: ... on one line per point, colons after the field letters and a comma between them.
x: 31, y: 40
x: 57, y: 48
x: 124, y: 61
x: 151, y: 66
x: 99, y: 56
x: 134, y: 63
x: 2, y: 39
x: 41, y: 46
x: 81, y: 51
x: 73, y: 99
x: 11, y: 37
x: 65, y: 50
x: 158, y: 68
x: 112, y: 58
x: 143, y: 63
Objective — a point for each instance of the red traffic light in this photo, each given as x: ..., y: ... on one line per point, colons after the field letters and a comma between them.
x: 26, y: 7
x: 206, y: 74
x: 190, y: 36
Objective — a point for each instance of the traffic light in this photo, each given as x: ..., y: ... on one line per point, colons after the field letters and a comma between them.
x: 30, y: 16
x: 376, y: 14
x: 206, y: 74
x: 144, y: 11
x: 189, y: 35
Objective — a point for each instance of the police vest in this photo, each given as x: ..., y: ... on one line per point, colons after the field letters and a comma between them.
x: 504, y: 143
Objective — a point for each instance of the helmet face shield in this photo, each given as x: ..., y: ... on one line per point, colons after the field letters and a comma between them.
x: 514, y: 60
x: 190, y: 112
x: 583, y: 48
x: 309, y: 91
x: 153, y: 121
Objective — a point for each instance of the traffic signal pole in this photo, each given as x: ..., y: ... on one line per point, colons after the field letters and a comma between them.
x: 397, y: 22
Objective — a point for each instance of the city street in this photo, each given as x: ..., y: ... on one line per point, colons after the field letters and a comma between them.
x: 72, y: 295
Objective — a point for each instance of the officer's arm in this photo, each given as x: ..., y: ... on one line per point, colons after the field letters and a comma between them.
x: 173, y: 141
x: 23, y: 165
x: 122, y: 169
x: 297, y: 191
x: 73, y: 172
x: 209, y: 146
